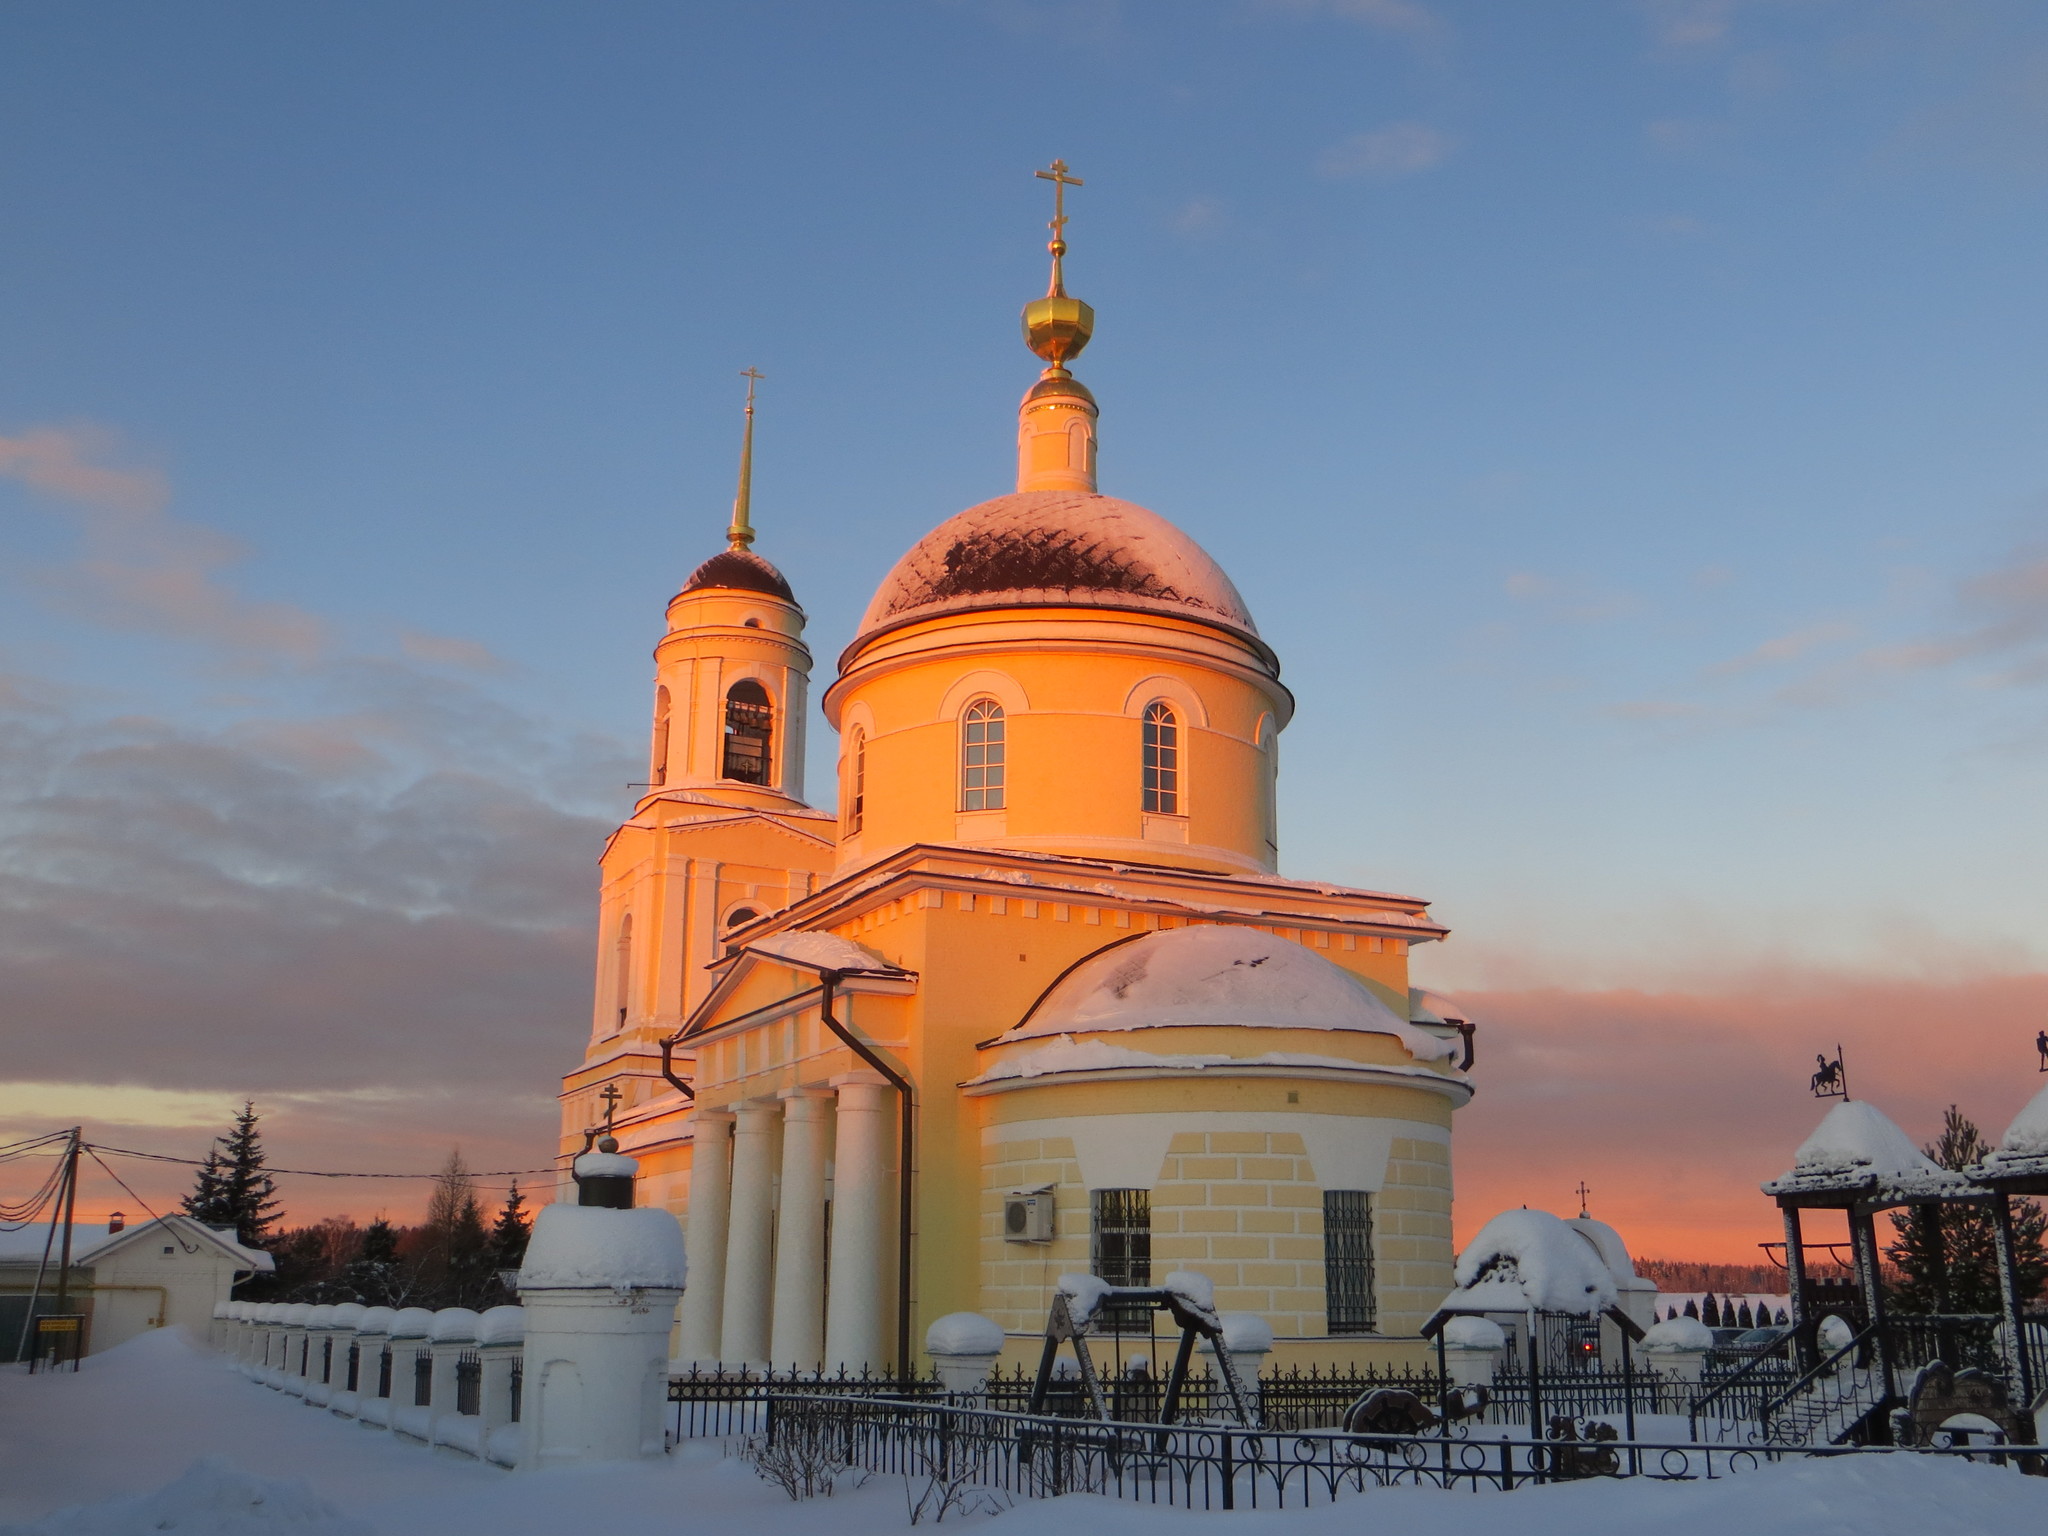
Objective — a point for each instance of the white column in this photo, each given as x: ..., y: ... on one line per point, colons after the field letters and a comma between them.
x: 798, y: 1337
x: 710, y: 1211
x: 743, y: 1334
x: 860, y: 1203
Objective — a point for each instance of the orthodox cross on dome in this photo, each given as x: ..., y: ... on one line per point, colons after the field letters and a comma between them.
x: 611, y: 1097
x: 741, y: 534
x: 1583, y: 1193
x: 1830, y: 1078
x: 1058, y: 246
x: 1057, y: 326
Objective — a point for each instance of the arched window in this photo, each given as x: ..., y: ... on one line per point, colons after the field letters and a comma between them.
x: 981, y: 756
x: 749, y: 723
x: 622, y: 970
x: 740, y: 916
x: 1162, y: 760
x: 658, y: 770
x: 856, y: 781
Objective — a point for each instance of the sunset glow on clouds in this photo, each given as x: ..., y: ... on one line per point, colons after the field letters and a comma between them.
x: 1627, y: 430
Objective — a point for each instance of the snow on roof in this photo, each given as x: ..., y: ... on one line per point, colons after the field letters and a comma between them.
x: 581, y: 1247
x: 376, y: 1320
x: 1218, y: 974
x: 1856, y: 1146
x: 89, y: 1239
x: 1056, y: 549
x: 818, y: 951
x: 1425, y: 1007
x: 502, y: 1325
x: 412, y: 1323
x: 1613, y: 1253
x: 347, y: 1314
x: 2026, y: 1137
x: 1531, y: 1259
x: 1066, y: 1054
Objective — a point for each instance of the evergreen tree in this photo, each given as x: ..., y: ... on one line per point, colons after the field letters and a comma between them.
x: 1743, y: 1317
x: 372, y: 1277
x: 232, y: 1189
x: 1710, y: 1311
x: 1947, y: 1255
x: 510, y: 1232
x: 1692, y: 1308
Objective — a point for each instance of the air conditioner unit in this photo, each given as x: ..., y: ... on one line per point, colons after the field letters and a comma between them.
x: 1027, y: 1216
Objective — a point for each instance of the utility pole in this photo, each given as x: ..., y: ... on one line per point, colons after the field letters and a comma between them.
x: 68, y: 1195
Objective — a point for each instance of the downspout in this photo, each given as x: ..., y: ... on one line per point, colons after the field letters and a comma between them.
x: 668, y: 1068
x: 901, y: 1084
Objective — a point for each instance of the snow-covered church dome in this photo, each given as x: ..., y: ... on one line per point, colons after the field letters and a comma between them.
x: 1216, y: 975
x: 1057, y: 549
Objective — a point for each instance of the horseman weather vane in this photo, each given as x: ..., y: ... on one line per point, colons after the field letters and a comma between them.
x: 1831, y: 1081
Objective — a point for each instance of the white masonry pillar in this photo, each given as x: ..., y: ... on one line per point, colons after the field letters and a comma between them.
x: 860, y: 1236
x: 798, y: 1336
x: 750, y: 1235
x: 710, y: 1211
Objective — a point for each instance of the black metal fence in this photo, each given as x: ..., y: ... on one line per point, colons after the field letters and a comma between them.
x: 1201, y: 1466
x: 469, y: 1383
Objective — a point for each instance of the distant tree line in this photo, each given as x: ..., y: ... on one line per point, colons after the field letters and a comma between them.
x: 453, y: 1258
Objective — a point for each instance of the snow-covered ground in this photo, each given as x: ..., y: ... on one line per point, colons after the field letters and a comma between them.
x: 127, y: 1437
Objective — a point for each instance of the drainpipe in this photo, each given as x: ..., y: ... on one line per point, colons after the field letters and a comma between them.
x: 668, y: 1069
x: 901, y: 1084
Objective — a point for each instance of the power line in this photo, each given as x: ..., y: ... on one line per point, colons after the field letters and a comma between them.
x: 326, y: 1173
x: 189, y: 1247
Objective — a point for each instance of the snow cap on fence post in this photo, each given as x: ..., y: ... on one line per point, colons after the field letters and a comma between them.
x: 1247, y: 1339
x: 1678, y: 1347
x: 1472, y: 1350
x: 964, y: 1346
x: 600, y: 1286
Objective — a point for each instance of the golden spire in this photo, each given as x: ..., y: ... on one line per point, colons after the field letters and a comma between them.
x: 741, y: 534
x: 1057, y: 327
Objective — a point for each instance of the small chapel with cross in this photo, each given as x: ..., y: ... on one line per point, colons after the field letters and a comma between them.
x: 1034, y: 998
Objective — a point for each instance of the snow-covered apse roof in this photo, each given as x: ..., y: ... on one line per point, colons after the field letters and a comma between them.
x: 1857, y: 1147
x: 1057, y: 549
x: 1217, y: 974
x: 2027, y: 1136
x: 1530, y: 1259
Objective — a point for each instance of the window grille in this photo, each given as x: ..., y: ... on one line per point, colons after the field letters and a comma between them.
x: 384, y: 1374
x: 1347, y: 1260
x: 857, y: 783
x: 749, y: 722
x: 518, y: 1387
x: 1162, y: 760
x: 355, y: 1365
x: 1120, y: 1251
x: 422, y: 1378
x: 469, y: 1383
x: 981, y: 761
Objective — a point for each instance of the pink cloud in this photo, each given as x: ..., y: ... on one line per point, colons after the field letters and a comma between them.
x: 1673, y: 1106
x: 59, y: 460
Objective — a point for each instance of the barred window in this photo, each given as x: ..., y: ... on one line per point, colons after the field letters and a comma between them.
x: 1120, y: 1250
x: 1162, y: 760
x: 981, y: 756
x: 1347, y: 1260
x: 857, y: 781
x: 749, y: 722
x: 658, y: 769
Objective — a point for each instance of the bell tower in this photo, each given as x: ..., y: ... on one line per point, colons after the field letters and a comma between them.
x: 732, y: 675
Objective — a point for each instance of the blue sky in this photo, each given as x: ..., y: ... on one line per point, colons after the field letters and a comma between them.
x: 1624, y: 419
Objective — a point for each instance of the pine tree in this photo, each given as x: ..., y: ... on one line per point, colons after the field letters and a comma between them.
x: 1947, y: 1255
x: 1743, y: 1316
x: 1710, y: 1312
x: 232, y: 1189
x: 1692, y: 1308
x: 372, y: 1276
x: 510, y: 1232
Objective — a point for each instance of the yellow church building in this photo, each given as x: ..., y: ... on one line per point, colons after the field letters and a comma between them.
x: 1035, y: 1000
